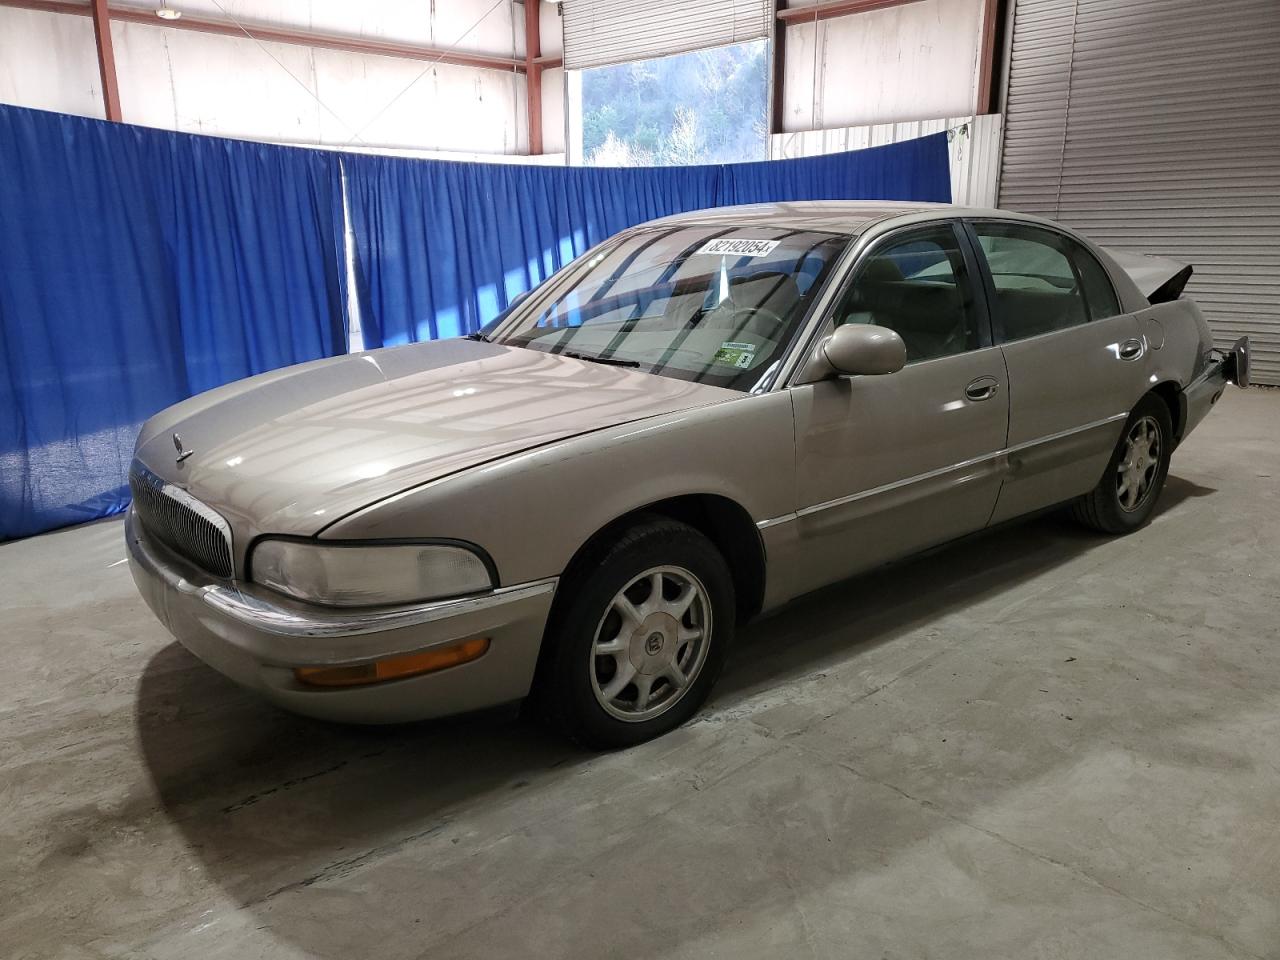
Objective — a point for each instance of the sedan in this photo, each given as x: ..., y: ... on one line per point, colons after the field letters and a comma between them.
x: 694, y: 423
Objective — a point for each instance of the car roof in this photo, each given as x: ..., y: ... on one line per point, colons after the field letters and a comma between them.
x: 837, y: 216
x: 856, y: 217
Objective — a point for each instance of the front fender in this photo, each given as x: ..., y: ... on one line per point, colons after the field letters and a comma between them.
x: 532, y: 511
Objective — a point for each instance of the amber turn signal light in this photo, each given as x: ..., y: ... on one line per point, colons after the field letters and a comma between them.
x: 394, y: 667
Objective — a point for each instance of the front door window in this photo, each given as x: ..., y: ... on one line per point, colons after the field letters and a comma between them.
x: 917, y: 286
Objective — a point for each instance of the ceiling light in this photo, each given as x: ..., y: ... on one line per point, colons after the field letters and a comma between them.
x: 168, y: 13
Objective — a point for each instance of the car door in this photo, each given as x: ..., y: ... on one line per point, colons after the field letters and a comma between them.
x: 1073, y: 361
x: 890, y: 464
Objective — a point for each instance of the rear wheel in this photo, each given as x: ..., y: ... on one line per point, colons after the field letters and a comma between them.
x: 639, y: 636
x: 1126, y: 495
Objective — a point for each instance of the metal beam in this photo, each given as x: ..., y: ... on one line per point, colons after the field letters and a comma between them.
x: 778, y: 71
x: 381, y: 48
x: 533, y: 72
x: 835, y: 8
x: 106, y: 60
x: 987, y: 57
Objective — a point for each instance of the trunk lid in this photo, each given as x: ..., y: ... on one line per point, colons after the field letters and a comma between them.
x: 1159, y: 279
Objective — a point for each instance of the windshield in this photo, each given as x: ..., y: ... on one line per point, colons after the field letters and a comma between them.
x: 712, y: 304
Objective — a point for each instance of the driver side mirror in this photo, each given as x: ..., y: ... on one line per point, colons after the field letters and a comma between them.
x: 856, y: 349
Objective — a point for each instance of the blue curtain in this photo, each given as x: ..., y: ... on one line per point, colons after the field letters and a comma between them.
x: 911, y: 170
x: 138, y: 267
x: 442, y: 247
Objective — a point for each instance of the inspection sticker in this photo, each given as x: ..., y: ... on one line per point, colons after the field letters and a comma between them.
x: 735, y: 354
x: 739, y: 247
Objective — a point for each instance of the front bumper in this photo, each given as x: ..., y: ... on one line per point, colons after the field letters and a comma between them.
x: 257, y: 638
x: 1204, y: 391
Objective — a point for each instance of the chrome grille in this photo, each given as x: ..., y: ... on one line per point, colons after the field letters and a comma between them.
x: 181, y: 522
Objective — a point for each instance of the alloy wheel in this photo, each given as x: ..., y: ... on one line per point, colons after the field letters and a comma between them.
x: 651, y: 644
x: 1139, y: 464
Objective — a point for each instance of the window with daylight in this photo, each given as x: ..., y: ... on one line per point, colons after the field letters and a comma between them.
x: 708, y: 106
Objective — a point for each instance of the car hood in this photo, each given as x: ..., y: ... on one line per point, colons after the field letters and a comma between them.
x: 293, y: 450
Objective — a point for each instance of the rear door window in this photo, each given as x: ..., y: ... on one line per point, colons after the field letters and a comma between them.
x: 1037, y: 287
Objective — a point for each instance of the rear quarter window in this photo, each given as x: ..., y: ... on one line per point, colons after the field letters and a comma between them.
x: 1099, y: 293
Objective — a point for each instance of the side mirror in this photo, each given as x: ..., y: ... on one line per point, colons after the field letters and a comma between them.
x: 857, y: 349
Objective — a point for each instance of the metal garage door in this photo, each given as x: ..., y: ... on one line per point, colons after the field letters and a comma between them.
x: 1154, y: 126
x: 599, y: 32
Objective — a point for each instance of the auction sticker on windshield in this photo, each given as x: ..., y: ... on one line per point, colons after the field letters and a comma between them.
x: 735, y: 354
x: 739, y: 247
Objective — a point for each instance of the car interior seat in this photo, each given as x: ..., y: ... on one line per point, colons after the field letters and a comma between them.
x: 929, y: 314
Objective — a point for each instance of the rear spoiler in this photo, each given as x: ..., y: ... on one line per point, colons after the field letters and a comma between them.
x: 1157, y: 278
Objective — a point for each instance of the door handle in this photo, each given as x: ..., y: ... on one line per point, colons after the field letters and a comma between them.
x: 1131, y: 349
x: 984, y: 388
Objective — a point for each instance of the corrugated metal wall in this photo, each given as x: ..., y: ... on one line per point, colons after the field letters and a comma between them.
x: 1154, y: 126
x: 909, y: 61
x: 236, y: 86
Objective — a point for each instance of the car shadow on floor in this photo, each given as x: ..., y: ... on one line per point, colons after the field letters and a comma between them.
x: 270, y: 802
x: 883, y: 604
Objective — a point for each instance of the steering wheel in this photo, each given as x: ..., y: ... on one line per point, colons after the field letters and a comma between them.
x: 752, y: 319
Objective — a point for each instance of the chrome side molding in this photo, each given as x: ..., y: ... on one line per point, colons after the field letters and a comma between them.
x: 934, y: 474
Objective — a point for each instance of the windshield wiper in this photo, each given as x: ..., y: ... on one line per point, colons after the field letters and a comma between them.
x: 595, y: 358
x: 478, y: 335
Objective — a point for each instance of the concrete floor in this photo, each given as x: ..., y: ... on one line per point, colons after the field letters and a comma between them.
x: 1038, y: 743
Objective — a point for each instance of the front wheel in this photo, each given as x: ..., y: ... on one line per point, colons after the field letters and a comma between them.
x: 1126, y: 496
x: 640, y: 636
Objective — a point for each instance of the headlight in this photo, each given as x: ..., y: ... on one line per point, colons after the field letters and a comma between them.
x: 364, y: 575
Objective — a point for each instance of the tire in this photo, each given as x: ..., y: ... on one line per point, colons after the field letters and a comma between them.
x: 1126, y: 495
x: 609, y: 680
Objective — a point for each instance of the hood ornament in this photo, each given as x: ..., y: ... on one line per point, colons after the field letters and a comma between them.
x: 182, y: 453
